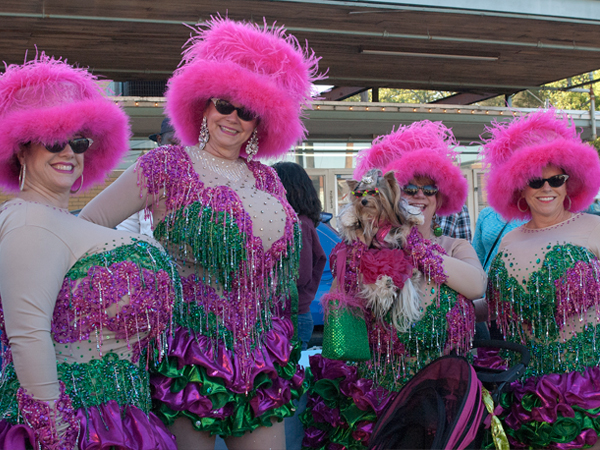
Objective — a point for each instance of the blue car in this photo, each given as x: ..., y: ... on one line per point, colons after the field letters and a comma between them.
x: 328, y: 237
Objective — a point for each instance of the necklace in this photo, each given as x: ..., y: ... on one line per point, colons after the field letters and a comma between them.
x: 528, y: 227
x: 525, y: 229
x: 234, y: 171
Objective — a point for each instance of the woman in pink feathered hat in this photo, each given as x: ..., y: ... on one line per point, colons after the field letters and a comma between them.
x: 83, y: 307
x: 440, y: 317
x: 232, y: 368
x: 544, y: 282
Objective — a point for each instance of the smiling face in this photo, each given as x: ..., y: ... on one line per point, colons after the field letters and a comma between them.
x: 546, y: 202
x: 50, y: 173
x: 428, y: 205
x: 227, y: 132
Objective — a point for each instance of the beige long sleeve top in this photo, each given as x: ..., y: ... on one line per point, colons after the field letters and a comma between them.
x: 465, y: 273
x: 128, y: 195
x: 543, y: 292
x: 39, y: 244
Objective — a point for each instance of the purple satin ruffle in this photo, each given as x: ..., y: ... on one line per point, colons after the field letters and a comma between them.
x: 557, y: 394
x: 103, y: 427
x: 15, y: 437
x: 489, y: 358
x: 363, y: 392
x: 365, y: 395
x: 238, y: 374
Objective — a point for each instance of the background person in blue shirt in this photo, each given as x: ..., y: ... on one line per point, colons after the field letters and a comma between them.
x: 490, y: 229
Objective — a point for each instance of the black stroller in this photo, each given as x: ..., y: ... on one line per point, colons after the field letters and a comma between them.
x: 442, y: 406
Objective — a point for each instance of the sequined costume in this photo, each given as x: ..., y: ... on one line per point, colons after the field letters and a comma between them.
x: 233, y: 358
x: 346, y: 398
x: 84, y: 309
x: 544, y: 289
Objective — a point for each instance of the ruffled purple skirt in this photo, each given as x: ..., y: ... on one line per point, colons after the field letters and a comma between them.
x: 222, y: 393
x: 342, y: 408
x: 102, y: 428
x: 554, y: 411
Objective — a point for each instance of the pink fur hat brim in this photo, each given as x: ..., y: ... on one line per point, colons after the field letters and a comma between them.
x: 99, y: 119
x: 452, y: 185
x: 261, y: 68
x: 280, y: 125
x: 517, y: 152
x: 580, y: 161
x: 422, y: 148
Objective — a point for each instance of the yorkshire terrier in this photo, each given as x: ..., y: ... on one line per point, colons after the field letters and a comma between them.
x: 378, y: 216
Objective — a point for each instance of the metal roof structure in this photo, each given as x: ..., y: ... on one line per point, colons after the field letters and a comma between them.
x: 477, y: 49
x: 361, y: 122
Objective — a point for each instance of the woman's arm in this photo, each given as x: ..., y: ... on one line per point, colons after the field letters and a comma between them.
x: 464, y: 271
x: 33, y: 263
x: 118, y: 201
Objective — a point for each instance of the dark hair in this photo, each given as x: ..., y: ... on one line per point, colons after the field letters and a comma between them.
x: 301, y: 193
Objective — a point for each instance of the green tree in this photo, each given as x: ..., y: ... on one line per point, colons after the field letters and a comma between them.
x: 548, y: 94
x: 387, y: 95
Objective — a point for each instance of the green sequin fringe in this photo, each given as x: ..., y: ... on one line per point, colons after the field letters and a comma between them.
x: 220, y: 248
x: 425, y: 342
x: 143, y: 254
x: 88, y: 384
x: 537, y: 306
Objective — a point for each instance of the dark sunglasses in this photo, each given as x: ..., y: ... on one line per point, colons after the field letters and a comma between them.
x: 365, y: 193
x: 78, y: 145
x: 555, y: 181
x: 413, y: 189
x: 226, y: 108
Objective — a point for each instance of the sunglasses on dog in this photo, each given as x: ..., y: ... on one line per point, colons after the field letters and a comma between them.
x: 225, y: 108
x: 413, y: 189
x: 365, y: 193
x: 555, y: 181
x: 78, y: 145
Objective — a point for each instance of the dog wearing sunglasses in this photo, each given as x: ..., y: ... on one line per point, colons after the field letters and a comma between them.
x: 378, y: 216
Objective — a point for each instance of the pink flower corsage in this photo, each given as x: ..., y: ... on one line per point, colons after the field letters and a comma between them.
x: 391, y: 262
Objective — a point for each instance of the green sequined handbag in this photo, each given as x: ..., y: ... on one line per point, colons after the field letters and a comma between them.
x: 345, y: 334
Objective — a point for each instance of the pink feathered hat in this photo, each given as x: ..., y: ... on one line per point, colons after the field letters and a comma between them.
x: 261, y: 68
x: 518, y: 151
x: 47, y: 100
x: 421, y: 149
